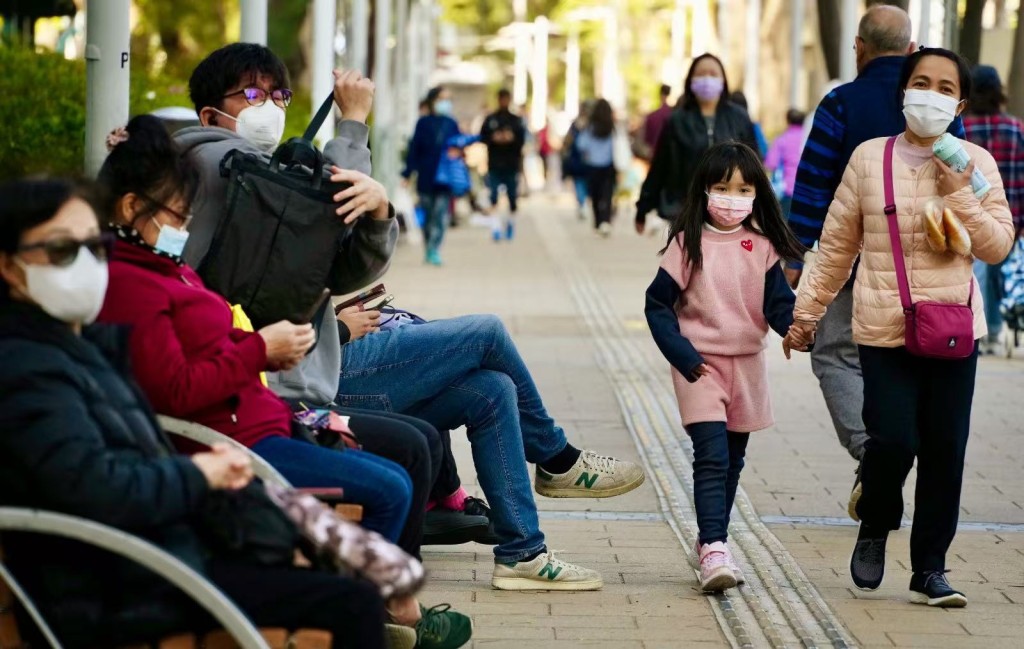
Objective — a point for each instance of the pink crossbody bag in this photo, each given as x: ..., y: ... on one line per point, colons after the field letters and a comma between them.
x: 933, y: 329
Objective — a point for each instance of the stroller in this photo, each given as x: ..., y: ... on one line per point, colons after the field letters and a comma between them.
x: 1012, y: 305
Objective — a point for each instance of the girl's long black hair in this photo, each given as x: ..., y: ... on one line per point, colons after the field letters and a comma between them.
x: 719, y: 163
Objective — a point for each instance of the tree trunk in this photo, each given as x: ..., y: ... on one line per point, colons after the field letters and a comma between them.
x: 902, y: 4
x: 1016, y: 81
x: 970, y: 31
x: 830, y: 30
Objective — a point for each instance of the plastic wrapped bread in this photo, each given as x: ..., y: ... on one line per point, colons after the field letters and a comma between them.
x: 934, y: 227
x: 957, y: 238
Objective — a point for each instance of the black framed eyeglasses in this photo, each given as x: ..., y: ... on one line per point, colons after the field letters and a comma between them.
x: 183, y: 219
x: 63, y: 251
x: 258, y: 96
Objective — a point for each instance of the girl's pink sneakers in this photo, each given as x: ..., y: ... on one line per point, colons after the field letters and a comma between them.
x: 716, y: 573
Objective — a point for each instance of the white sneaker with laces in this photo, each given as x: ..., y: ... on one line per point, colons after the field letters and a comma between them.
x: 546, y: 572
x: 715, y: 572
x: 593, y: 476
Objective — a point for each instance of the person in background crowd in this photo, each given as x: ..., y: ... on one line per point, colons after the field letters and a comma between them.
x: 740, y: 99
x: 572, y: 161
x: 504, y: 134
x: 655, y: 122
x: 853, y: 113
x: 989, y: 126
x: 704, y: 117
x: 79, y: 439
x: 426, y: 147
x: 785, y: 155
x: 597, y: 148
x: 915, y: 407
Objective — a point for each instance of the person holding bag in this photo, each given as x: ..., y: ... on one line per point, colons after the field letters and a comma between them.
x: 917, y: 316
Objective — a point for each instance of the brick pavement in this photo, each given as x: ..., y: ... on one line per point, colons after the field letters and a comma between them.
x: 796, y: 472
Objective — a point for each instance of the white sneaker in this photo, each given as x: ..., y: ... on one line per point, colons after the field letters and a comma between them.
x: 605, y: 229
x: 715, y: 572
x: 593, y: 476
x: 733, y: 564
x: 546, y: 572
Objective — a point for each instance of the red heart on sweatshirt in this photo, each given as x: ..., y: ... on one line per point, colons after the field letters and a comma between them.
x: 748, y: 245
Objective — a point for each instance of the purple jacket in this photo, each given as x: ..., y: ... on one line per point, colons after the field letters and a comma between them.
x: 786, y: 152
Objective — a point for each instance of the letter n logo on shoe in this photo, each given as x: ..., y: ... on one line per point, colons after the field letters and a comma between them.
x: 587, y: 479
x: 550, y: 572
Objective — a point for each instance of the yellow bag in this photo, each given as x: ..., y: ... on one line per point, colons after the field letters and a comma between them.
x: 241, y: 321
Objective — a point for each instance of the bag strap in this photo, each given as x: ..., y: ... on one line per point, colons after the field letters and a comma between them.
x: 894, y: 226
x: 319, y: 118
x: 894, y: 232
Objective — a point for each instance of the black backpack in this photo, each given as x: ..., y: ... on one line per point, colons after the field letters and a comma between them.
x: 277, y: 241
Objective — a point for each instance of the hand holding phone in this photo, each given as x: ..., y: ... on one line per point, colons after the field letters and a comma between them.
x: 361, y: 299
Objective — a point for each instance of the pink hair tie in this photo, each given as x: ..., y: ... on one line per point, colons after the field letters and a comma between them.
x: 117, y: 136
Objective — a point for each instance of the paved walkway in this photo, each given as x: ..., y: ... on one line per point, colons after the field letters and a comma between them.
x: 574, y: 304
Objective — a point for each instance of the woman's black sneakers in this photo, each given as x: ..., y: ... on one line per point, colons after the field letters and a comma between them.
x: 867, y: 565
x: 932, y: 588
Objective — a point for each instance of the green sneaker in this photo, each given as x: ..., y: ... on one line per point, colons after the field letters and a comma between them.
x: 546, y: 572
x: 442, y: 628
x: 593, y: 476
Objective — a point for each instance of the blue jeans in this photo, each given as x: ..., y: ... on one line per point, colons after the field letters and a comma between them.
x: 990, y: 281
x: 508, y: 179
x: 437, y: 207
x: 464, y: 371
x: 382, y: 487
x: 717, y: 461
x: 579, y: 183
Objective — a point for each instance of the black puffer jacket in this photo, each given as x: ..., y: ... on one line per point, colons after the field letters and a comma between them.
x: 76, y: 438
x: 685, y: 139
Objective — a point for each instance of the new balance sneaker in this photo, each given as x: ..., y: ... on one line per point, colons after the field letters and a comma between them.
x: 851, y: 506
x: 593, y: 476
x: 546, y: 572
x: 442, y: 628
x: 932, y: 588
x: 733, y: 564
x: 867, y: 565
x: 715, y: 572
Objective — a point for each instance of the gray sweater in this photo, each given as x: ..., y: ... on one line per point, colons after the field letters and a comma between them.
x: 363, y: 258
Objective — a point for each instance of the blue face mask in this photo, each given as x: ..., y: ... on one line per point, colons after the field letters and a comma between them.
x: 443, y: 107
x: 171, y: 241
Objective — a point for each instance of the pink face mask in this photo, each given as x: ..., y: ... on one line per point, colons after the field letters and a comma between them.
x: 730, y: 210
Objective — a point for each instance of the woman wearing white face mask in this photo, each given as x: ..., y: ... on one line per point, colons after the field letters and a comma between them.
x: 917, y: 401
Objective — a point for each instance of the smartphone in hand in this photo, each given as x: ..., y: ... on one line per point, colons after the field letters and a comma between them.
x: 367, y: 295
x: 308, y: 317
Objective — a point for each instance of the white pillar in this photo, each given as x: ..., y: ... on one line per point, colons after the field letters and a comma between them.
x: 752, y: 48
x: 325, y: 20
x: 847, y: 35
x: 107, y: 65
x: 254, y: 21
x: 611, y: 79
x: 723, y: 21
x: 572, y: 72
x: 924, y: 30
x: 384, y: 149
x: 403, y: 84
x: 539, y: 102
x: 521, y: 63
x: 796, y: 52
x: 358, y: 36
x: 701, y: 34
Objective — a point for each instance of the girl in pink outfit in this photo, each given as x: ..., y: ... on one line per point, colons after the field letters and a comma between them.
x: 720, y: 286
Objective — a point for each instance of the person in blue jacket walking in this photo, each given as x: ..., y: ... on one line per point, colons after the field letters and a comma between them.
x: 430, y: 142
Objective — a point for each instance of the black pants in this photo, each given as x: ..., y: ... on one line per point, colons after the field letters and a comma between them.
x: 718, y: 458
x: 915, y: 407
x: 601, y: 187
x: 448, y: 480
x: 416, y: 446
x: 351, y: 610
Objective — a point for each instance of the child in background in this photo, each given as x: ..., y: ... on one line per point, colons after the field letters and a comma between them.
x: 710, y: 320
x: 785, y: 155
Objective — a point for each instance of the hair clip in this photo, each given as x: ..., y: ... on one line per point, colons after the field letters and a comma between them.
x: 117, y: 136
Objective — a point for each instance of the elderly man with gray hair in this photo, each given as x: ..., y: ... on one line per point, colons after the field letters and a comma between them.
x: 869, y: 107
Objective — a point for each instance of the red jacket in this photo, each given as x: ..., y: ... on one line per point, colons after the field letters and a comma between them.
x: 186, y: 355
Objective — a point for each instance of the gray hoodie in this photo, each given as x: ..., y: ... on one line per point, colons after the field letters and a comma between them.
x: 363, y: 258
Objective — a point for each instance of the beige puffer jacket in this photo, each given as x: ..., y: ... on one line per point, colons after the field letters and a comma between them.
x: 856, y: 223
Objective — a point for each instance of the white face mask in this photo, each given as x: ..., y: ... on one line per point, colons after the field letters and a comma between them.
x: 928, y: 113
x: 72, y: 294
x: 261, y: 125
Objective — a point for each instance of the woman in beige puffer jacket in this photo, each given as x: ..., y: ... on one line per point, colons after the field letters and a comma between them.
x: 913, y: 406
